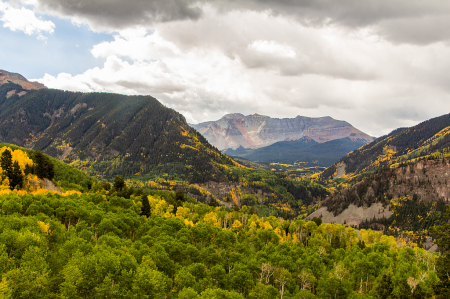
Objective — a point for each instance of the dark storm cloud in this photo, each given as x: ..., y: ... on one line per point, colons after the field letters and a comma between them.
x: 119, y: 14
x: 402, y: 21
x: 412, y: 21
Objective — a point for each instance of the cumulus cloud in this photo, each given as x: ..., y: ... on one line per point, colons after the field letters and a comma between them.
x: 391, y: 17
x: 256, y: 62
x: 23, y: 19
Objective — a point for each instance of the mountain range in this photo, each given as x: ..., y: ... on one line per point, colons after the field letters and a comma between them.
x: 256, y: 131
x: 304, y: 151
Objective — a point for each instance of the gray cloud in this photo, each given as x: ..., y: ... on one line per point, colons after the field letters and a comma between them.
x: 120, y: 14
x: 297, y: 67
x: 410, y: 21
x: 421, y: 30
x: 354, y: 12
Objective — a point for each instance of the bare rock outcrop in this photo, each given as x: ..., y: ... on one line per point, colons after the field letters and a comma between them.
x: 353, y: 215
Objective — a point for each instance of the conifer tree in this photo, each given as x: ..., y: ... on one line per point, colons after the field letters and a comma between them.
x: 145, y: 209
x: 384, y: 289
x: 179, y: 195
x: 119, y: 182
x: 16, y: 178
x: 6, y: 163
x: 44, y: 168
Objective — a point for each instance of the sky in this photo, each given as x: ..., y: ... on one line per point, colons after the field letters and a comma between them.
x: 377, y: 64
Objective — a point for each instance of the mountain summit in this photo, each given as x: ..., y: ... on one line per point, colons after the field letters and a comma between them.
x: 6, y: 77
x: 255, y: 131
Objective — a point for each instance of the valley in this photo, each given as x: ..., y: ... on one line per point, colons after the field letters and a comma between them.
x: 112, y: 195
x: 256, y: 149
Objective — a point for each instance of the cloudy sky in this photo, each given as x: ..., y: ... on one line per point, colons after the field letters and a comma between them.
x: 378, y: 64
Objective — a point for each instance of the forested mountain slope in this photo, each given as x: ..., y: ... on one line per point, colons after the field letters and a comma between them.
x: 305, y: 151
x: 399, y: 146
x: 408, y: 198
x: 108, y: 134
x: 406, y: 173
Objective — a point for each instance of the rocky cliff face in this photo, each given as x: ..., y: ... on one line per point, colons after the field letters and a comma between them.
x: 255, y: 131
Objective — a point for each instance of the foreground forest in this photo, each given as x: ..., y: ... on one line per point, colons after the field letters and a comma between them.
x: 99, y: 245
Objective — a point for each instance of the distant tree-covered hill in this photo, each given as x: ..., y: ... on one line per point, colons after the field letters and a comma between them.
x: 399, y: 146
x: 305, y: 151
x: 108, y: 134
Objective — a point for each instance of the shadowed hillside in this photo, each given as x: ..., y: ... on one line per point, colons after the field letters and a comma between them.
x: 108, y: 134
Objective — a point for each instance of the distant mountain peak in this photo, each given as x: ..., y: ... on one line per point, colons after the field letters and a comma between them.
x: 258, y: 115
x: 233, y: 116
x: 6, y: 77
x: 255, y: 130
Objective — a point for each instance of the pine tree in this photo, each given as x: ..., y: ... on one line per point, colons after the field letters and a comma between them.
x: 384, y: 289
x: 44, y: 168
x: 335, y: 242
x: 16, y: 178
x: 119, y: 182
x: 179, y: 195
x: 6, y: 163
x: 145, y: 209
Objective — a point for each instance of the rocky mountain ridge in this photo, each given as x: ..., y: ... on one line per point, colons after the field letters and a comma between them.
x: 6, y: 77
x: 256, y: 131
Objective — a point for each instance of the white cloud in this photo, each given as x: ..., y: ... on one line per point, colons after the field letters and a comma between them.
x: 252, y: 62
x: 23, y: 19
x: 272, y: 48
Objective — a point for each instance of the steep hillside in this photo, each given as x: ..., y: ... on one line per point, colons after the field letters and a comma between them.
x: 305, y: 151
x: 108, y: 134
x: 406, y: 172
x: 409, y: 197
x: 255, y: 131
x: 399, y: 146
x: 65, y: 176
